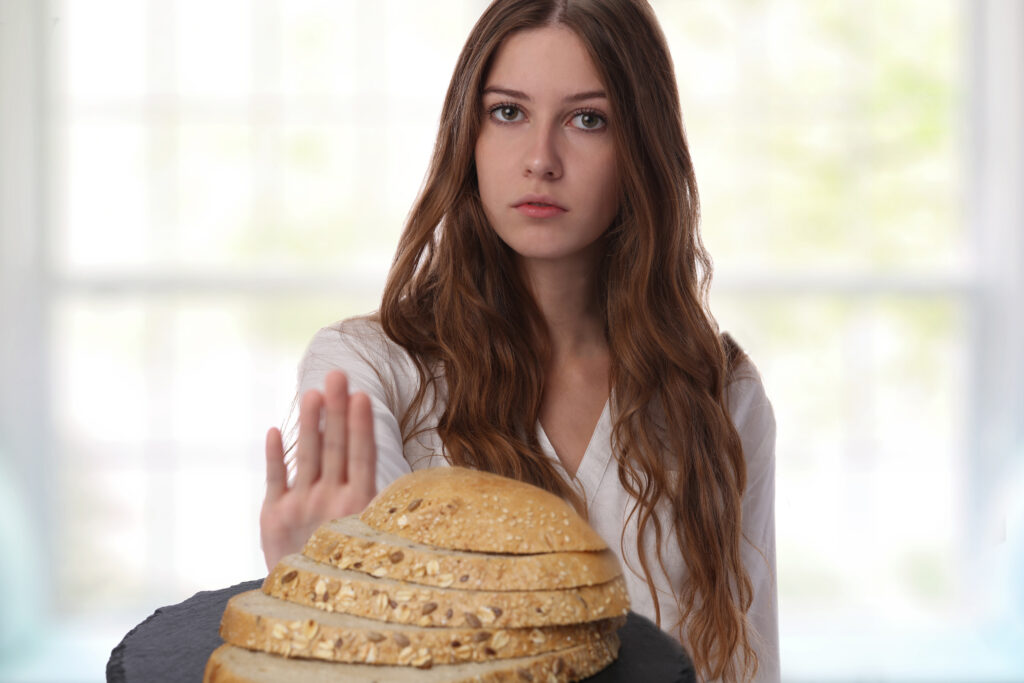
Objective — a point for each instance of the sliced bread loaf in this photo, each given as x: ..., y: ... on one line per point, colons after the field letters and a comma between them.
x: 462, y: 509
x: 256, y: 621
x: 348, y: 543
x: 297, y: 578
x: 230, y: 664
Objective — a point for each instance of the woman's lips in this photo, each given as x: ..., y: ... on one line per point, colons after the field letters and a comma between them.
x: 539, y: 210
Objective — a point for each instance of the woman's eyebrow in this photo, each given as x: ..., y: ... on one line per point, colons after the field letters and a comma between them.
x: 589, y: 94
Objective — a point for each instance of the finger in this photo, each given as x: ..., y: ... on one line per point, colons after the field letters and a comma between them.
x: 335, y: 428
x: 362, y: 448
x: 277, y: 475
x: 307, y: 450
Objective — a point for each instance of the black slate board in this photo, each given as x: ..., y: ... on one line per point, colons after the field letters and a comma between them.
x: 173, y: 644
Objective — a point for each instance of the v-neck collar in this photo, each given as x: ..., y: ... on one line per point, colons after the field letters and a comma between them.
x: 596, y: 456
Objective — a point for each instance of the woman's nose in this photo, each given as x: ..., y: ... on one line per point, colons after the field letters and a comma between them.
x: 543, y: 159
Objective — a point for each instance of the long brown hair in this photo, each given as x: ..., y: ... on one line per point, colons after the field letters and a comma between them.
x: 455, y: 301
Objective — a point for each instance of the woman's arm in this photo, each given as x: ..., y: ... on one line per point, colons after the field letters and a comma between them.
x: 755, y: 421
x: 374, y: 366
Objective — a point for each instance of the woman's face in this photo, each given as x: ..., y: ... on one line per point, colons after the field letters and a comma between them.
x: 545, y: 157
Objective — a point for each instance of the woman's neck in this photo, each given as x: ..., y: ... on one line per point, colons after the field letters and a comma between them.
x: 567, y: 298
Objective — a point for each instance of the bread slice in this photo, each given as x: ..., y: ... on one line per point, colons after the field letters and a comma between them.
x: 462, y: 509
x: 348, y: 543
x: 297, y: 578
x: 230, y: 664
x: 256, y: 621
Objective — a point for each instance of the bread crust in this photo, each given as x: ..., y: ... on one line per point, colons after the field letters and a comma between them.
x: 256, y: 621
x: 444, y: 507
x: 231, y: 664
x: 298, y: 579
x: 349, y: 543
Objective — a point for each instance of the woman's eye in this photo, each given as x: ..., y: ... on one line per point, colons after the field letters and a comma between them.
x: 506, y: 113
x: 589, y: 120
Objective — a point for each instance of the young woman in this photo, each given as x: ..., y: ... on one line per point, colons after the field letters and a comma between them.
x: 545, y: 318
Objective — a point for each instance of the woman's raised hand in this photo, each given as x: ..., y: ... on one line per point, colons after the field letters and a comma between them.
x: 336, y: 468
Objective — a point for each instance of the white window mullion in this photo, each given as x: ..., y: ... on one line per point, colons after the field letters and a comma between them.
x: 996, y: 216
x: 26, y: 446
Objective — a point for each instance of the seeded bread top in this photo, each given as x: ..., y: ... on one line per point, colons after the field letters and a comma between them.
x: 462, y: 509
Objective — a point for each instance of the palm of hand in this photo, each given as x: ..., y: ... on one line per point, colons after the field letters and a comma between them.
x: 290, y: 520
x: 335, y: 469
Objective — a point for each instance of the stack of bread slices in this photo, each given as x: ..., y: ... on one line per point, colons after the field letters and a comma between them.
x: 448, y: 575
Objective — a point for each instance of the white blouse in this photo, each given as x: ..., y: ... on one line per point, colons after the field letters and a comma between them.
x: 385, y: 371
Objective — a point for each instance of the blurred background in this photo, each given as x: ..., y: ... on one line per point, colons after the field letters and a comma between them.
x: 189, y: 189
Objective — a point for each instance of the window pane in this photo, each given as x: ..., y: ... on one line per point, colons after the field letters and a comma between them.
x: 218, y: 168
x: 214, y: 47
x: 821, y: 137
x: 419, y: 63
x: 868, y: 396
x: 331, y: 214
x: 105, y: 55
x: 161, y: 409
x: 108, y: 196
x: 320, y: 48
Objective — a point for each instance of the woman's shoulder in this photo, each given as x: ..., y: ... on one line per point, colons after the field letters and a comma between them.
x: 361, y: 335
x: 365, y: 327
x: 749, y: 406
x: 744, y: 386
x: 745, y: 378
x: 360, y: 347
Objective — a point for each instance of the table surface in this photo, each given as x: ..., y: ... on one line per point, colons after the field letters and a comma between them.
x: 173, y: 644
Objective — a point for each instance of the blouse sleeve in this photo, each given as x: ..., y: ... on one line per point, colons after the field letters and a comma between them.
x: 366, y: 356
x: 755, y: 421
